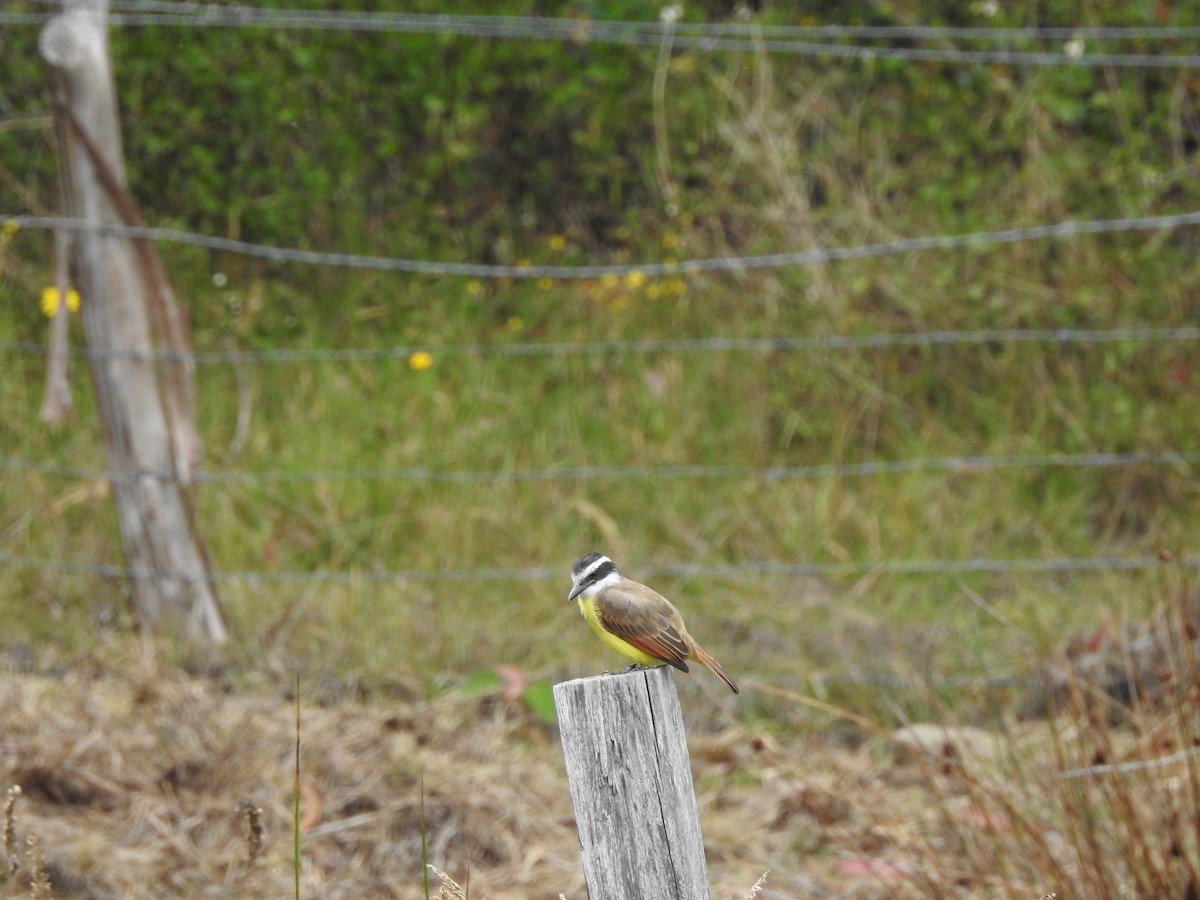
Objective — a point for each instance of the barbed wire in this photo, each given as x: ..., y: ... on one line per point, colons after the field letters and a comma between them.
x: 714, y: 37
x: 933, y: 567
x: 801, y: 258
x: 878, y: 341
x: 743, y: 28
x: 743, y: 37
x: 952, y: 464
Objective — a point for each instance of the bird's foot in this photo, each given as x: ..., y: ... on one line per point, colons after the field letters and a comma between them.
x: 632, y: 667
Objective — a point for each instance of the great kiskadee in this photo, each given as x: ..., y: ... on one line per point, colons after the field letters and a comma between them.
x: 637, y: 622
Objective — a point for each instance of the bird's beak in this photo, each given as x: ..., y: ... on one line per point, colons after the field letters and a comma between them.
x: 576, y: 590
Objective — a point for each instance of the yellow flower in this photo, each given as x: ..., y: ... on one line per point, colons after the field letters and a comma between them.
x: 420, y: 361
x: 544, y: 284
x: 609, y: 281
x: 50, y: 300
x: 474, y: 287
x: 514, y: 323
x: 635, y: 279
x: 524, y: 263
x: 670, y: 241
x: 9, y: 228
x: 557, y: 243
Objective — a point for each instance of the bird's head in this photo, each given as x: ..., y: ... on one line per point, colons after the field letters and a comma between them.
x: 590, y: 574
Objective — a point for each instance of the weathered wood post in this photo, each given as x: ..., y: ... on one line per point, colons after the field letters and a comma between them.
x: 631, y: 784
x: 151, y: 445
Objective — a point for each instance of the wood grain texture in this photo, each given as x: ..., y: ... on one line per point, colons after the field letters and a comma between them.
x: 631, y: 784
x: 170, y: 582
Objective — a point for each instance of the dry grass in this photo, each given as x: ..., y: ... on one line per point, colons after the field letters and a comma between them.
x: 139, y: 781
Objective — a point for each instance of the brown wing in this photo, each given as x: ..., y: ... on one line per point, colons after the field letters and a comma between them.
x: 645, y: 619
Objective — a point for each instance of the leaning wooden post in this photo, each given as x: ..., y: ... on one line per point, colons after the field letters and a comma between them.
x: 122, y: 289
x: 631, y: 784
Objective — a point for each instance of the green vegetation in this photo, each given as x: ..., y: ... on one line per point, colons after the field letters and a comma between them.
x: 464, y: 149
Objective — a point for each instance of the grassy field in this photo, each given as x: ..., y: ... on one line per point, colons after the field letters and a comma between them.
x: 316, y: 506
x: 482, y: 413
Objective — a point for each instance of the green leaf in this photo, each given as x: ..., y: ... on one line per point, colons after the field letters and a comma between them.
x: 539, y: 697
x: 483, y: 681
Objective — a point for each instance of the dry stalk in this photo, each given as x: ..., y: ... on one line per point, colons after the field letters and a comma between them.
x: 10, y: 829
x: 756, y: 887
x: 39, y: 878
x: 450, y: 889
x: 254, y: 835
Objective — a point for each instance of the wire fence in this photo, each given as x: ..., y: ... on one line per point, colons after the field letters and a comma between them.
x: 965, y: 464
x: 714, y: 37
x: 737, y: 37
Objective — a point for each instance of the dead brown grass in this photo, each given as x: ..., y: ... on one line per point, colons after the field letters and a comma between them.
x: 140, y: 781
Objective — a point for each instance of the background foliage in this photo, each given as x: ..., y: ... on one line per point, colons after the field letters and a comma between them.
x: 468, y: 149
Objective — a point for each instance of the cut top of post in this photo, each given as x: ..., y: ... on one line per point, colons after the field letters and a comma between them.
x: 68, y: 39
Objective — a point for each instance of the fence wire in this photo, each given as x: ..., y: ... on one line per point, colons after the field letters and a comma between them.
x: 820, y: 343
x: 801, y: 258
x: 738, y: 37
x: 958, y: 465
x: 677, y: 570
x: 740, y: 28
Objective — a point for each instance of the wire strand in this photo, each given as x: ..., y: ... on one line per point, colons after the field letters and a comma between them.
x: 695, y: 36
x: 823, y: 343
x: 965, y: 465
x: 745, y: 29
x: 801, y: 258
x: 676, y: 570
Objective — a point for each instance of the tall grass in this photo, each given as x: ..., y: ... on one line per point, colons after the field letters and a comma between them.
x: 1100, y: 799
x: 793, y: 158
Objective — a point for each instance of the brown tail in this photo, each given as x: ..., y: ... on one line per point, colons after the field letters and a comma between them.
x: 701, y: 655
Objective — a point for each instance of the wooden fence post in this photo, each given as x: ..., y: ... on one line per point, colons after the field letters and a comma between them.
x: 151, y: 446
x: 631, y: 784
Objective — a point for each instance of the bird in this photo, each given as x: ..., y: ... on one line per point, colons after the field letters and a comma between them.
x: 637, y: 622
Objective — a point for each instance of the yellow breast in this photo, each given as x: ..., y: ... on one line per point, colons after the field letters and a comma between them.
x: 587, y: 606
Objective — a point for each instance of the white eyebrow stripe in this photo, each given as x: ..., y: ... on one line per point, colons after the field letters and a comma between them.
x: 594, y: 566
